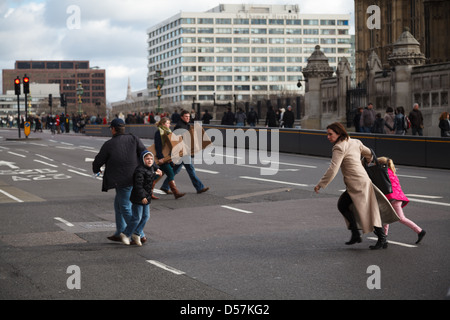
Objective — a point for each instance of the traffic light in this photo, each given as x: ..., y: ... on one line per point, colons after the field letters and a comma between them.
x: 50, y: 100
x: 26, y: 85
x: 17, y: 86
x: 63, y: 100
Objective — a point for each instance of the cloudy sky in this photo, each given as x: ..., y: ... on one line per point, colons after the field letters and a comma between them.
x: 111, y: 34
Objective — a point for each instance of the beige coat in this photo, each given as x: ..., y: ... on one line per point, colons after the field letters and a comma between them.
x: 347, y: 156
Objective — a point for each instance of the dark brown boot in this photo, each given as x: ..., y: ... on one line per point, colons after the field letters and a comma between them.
x: 153, y: 187
x: 174, y: 189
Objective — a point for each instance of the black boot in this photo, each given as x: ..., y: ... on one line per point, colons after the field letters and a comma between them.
x: 356, y: 237
x: 382, y: 242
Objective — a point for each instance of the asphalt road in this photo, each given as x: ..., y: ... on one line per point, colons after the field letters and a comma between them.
x: 250, y: 237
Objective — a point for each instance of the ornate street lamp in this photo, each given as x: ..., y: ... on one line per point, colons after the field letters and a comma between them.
x: 158, y: 82
x: 80, y: 92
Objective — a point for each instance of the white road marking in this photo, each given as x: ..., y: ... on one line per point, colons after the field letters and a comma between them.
x: 236, y: 209
x: 430, y: 202
x: 16, y: 154
x: 10, y: 196
x: 47, y: 164
x: 290, y: 164
x: 395, y: 242
x: 422, y: 196
x: 67, y: 223
x: 165, y: 267
x: 44, y: 157
x: 85, y: 174
x: 275, y: 181
x: 264, y: 168
x: 414, y: 177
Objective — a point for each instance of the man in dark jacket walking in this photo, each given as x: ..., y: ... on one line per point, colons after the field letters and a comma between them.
x: 120, y: 155
x: 416, y: 118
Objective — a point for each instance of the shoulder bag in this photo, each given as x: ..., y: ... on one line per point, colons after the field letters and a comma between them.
x: 378, y: 173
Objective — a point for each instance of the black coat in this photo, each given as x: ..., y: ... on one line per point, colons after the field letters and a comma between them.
x: 120, y: 155
x: 142, y: 183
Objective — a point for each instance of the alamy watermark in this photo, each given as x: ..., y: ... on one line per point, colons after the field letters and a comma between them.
x: 74, y: 281
x: 374, y: 21
x: 257, y: 141
x: 374, y: 280
x: 73, y: 22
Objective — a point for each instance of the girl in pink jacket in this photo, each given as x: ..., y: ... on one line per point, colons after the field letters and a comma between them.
x: 399, y: 200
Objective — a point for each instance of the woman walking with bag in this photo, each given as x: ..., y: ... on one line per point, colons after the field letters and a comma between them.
x: 399, y: 200
x: 161, y: 140
x: 360, y: 192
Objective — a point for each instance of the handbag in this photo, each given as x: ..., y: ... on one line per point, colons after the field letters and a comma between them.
x: 378, y: 173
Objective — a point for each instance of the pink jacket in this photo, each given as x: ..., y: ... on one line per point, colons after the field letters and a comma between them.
x: 397, y: 192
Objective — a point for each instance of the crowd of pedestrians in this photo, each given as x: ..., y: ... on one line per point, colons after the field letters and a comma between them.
x: 57, y: 123
x: 396, y: 121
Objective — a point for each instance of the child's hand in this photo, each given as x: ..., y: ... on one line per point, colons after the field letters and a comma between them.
x: 144, y: 201
x: 159, y: 172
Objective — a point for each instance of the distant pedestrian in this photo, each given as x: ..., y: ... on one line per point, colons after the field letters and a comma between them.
x: 120, y: 155
x: 252, y: 118
x: 416, y: 118
x: 240, y: 118
x: 399, y: 200
x: 367, y: 118
x: 444, y: 124
x: 378, y: 125
x: 357, y: 119
x: 289, y: 118
x: 271, y: 118
x: 228, y: 118
x: 143, y: 178
x: 400, y: 121
x: 206, y: 118
x: 389, y: 119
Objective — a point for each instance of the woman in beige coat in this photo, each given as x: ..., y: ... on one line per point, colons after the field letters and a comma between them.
x: 360, y: 192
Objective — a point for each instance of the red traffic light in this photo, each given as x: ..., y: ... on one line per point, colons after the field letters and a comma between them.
x: 26, y: 84
x: 17, y: 86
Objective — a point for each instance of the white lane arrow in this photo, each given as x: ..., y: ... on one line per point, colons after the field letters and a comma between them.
x: 9, y: 164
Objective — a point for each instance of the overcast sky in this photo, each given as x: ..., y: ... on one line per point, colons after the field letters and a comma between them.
x: 111, y: 34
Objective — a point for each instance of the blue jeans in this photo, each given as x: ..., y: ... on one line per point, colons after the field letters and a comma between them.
x: 198, y: 185
x: 140, y: 216
x: 122, y: 208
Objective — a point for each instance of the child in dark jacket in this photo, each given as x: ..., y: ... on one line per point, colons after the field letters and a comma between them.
x: 143, y: 178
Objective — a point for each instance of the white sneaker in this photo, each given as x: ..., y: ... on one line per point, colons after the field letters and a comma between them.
x: 137, y: 239
x: 125, y: 239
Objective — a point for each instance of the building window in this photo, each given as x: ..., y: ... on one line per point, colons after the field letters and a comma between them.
x: 259, y: 21
x: 310, y: 22
x: 205, y: 21
x: 240, y: 21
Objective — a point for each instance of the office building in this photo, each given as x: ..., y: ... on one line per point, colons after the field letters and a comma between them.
x: 67, y: 74
x: 246, y: 51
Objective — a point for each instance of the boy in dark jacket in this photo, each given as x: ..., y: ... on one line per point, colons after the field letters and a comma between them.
x: 140, y: 197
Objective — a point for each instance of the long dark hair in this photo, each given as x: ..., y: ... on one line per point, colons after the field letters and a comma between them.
x: 340, y: 130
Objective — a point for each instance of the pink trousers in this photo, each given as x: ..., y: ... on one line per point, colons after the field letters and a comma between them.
x: 397, y: 205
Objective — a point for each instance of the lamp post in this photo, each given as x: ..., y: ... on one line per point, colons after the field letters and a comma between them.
x: 80, y: 91
x: 299, y: 85
x: 159, y: 82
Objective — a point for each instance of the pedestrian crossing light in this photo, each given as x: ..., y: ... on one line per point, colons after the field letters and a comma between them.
x: 26, y: 85
x: 17, y: 86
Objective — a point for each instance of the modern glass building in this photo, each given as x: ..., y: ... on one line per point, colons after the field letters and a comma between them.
x: 248, y: 51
